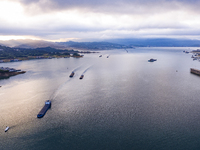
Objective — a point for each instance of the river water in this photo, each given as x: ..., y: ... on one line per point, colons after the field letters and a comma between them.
x: 123, y: 102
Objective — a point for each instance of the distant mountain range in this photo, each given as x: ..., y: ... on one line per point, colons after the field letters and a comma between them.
x: 103, y: 45
x: 157, y: 42
x: 62, y: 45
x: 30, y: 44
x: 93, y: 45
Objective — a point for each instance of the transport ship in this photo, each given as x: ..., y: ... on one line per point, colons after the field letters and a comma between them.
x: 7, y: 128
x: 81, y: 77
x: 72, y: 74
x: 44, y: 109
x: 195, y: 71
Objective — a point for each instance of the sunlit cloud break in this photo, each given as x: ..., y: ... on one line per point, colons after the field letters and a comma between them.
x: 81, y: 20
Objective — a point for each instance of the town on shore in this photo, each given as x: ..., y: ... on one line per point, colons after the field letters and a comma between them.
x: 76, y: 55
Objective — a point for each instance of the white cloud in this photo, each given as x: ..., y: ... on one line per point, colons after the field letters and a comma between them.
x: 58, y: 19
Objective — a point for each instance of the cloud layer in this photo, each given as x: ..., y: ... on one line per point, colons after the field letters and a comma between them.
x: 114, y: 6
x: 100, y: 19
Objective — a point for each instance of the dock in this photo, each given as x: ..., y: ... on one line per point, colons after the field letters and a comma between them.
x: 195, y: 71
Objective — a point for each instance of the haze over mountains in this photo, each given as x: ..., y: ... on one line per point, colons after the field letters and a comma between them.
x: 106, y: 44
x: 157, y: 42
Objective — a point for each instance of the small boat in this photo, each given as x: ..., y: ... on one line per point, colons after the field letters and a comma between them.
x: 44, y: 109
x: 81, y: 77
x: 100, y: 56
x: 72, y: 74
x: 152, y: 60
x: 7, y: 128
x: 107, y: 56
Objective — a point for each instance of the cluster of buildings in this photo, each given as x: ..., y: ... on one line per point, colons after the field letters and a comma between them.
x: 12, y: 60
x: 9, y: 69
x: 196, y: 54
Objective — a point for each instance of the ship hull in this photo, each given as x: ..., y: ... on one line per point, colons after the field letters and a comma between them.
x: 72, y: 74
x: 44, y: 109
x: 81, y: 77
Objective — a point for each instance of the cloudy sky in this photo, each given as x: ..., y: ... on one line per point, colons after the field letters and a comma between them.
x: 90, y: 20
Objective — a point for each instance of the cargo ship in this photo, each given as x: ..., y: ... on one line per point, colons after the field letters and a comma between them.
x: 195, y: 71
x: 72, y: 74
x: 7, y: 128
x: 44, y: 109
x: 81, y: 77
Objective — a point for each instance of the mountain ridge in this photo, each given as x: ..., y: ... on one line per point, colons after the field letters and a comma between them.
x: 105, y: 44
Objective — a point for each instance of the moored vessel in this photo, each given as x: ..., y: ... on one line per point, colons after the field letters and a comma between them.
x: 44, y: 109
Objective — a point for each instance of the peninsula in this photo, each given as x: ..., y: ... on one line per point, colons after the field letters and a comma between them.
x: 8, y: 54
x: 8, y: 72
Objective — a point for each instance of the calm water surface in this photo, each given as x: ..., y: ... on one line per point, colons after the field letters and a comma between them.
x: 123, y: 102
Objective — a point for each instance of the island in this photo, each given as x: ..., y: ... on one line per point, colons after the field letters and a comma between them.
x: 8, y: 72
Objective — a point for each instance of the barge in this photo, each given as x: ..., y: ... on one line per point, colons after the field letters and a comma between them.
x: 81, y: 77
x: 72, y: 74
x: 195, y: 71
x: 44, y: 109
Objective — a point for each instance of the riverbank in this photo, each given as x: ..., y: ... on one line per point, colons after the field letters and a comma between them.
x: 38, y: 57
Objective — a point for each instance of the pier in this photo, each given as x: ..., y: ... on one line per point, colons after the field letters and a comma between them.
x: 195, y: 71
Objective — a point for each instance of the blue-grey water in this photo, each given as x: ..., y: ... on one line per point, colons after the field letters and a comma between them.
x: 123, y: 102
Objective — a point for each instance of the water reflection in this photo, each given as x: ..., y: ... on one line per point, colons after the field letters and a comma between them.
x: 123, y: 102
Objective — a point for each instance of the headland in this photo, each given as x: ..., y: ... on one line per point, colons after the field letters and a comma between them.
x: 8, y: 72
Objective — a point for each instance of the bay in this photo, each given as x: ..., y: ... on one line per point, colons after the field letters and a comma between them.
x: 123, y: 102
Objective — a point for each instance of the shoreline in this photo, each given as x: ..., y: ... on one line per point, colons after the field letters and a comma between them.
x: 36, y: 57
